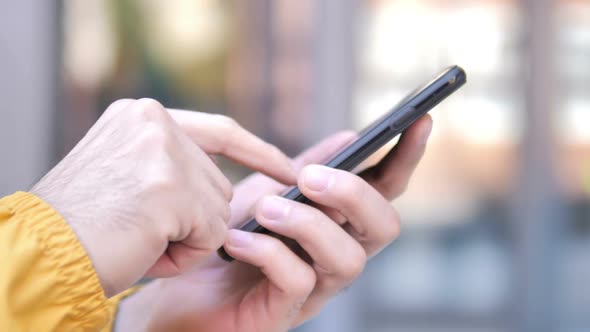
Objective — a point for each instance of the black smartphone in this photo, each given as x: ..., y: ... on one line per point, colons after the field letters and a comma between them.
x: 383, y: 130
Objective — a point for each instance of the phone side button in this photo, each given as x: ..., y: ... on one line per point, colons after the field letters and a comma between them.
x: 401, y: 122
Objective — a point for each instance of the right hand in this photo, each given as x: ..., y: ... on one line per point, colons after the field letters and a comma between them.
x: 143, y: 197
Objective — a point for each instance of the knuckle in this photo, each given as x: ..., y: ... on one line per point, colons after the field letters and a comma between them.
x: 116, y: 106
x: 162, y: 182
x: 355, y: 264
x: 220, y: 233
x: 150, y: 110
x: 392, y: 227
x: 229, y: 129
x: 226, y: 122
x: 275, y: 151
x: 385, y: 231
x: 273, y: 246
x: 225, y: 213
x: 353, y: 192
x: 304, y: 221
x: 209, y: 233
x: 154, y: 135
x: 158, y: 173
x: 303, y: 281
x: 226, y: 188
x: 271, y: 249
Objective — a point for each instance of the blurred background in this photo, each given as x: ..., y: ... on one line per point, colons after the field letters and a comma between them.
x: 497, y: 219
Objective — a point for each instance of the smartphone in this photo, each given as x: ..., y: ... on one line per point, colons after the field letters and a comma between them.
x: 380, y: 132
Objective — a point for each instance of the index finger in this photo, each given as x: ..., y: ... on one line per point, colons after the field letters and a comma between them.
x: 221, y: 135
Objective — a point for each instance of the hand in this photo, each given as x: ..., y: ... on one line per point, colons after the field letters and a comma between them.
x: 269, y: 287
x: 141, y: 194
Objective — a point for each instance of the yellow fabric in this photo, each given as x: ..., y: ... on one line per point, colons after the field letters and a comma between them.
x: 47, y: 282
x: 113, y: 304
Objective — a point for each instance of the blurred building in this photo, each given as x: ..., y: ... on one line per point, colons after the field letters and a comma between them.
x: 497, y: 218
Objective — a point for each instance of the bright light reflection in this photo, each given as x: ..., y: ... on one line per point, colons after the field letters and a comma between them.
x: 371, y: 106
x: 185, y: 31
x: 483, y: 121
x: 475, y: 38
x: 575, y: 121
x: 400, y: 38
x: 89, y: 42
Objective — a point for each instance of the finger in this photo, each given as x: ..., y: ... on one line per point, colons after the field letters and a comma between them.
x: 218, y: 134
x: 337, y: 257
x: 324, y: 150
x: 392, y: 175
x: 291, y: 279
x: 192, y: 248
x: 255, y: 186
x: 208, y: 169
x: 373, y: 221
x: 248, y: 192
x: 177, y: 259
x: 314, y: 154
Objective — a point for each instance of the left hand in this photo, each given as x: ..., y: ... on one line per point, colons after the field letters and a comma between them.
x: 270, y: 287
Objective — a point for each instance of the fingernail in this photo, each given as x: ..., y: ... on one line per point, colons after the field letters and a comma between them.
x: 237, y: 238
x: 317, y: 178
x: 274, y: 208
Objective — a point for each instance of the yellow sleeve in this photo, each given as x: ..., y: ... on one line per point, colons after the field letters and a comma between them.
x: 47, y: 282
x: 113, y: 306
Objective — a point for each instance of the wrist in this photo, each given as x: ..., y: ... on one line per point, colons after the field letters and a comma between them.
x: 120, y: 253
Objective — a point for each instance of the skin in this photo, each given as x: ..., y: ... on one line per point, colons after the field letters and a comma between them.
x: 142, y: 193
x: 271, y: 287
